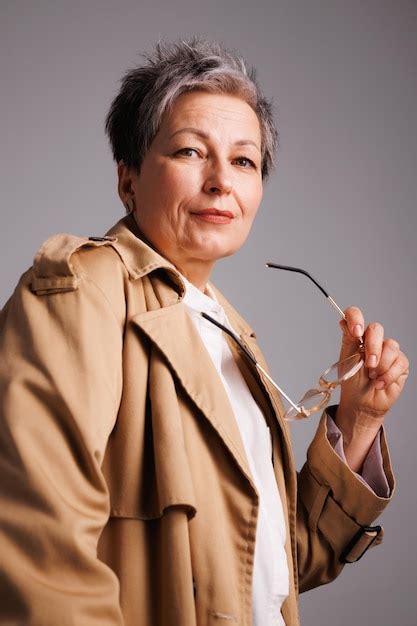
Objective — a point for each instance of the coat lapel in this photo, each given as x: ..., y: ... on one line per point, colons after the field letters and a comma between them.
x: 173, y: 332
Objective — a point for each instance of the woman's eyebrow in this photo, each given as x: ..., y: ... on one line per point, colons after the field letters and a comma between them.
x: 203, y: 135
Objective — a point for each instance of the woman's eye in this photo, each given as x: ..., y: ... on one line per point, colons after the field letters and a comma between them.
x: 245, y: 162
x: 187, y: 152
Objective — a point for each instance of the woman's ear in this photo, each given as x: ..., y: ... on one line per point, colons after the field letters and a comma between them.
x: 124, y: 187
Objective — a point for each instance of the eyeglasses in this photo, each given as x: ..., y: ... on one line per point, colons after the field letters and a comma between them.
x: 314, y: 399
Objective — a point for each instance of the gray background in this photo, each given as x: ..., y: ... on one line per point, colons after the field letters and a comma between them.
x: 341, y: 204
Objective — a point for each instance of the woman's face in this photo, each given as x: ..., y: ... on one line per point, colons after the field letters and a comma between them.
x: 205, y: 157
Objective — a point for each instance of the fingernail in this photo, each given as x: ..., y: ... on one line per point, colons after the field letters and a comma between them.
x: 372, y: 374
x: 372, y: 361
x: 380, y: 384
x: 357, y: 330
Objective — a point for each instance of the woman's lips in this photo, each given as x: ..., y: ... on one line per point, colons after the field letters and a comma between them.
x: 215, y: 216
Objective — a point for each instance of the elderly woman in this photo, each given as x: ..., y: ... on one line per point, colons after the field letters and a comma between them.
x: 147, y: 477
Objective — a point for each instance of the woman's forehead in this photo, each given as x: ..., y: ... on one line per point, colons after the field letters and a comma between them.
x: 204, y: 113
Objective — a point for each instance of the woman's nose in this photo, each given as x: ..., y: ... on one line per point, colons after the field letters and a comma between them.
x: 218, y: 180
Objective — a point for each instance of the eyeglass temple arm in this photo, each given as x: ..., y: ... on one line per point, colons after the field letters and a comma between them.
x: 250, y: 356
x: 301, y: 271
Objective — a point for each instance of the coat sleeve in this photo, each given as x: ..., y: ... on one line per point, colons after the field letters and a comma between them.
x: 60, y: 388
x: 333, y: 506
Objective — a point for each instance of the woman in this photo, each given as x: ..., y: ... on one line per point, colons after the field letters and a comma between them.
x: 147, y: 472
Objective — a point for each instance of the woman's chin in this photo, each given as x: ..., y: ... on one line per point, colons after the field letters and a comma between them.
x: 214, y: 252
x: 215, y: 247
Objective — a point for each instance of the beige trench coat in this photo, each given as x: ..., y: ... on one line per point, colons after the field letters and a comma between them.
x: 125, y: 493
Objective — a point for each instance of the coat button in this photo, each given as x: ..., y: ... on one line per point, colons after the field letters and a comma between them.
x: 106, y: 238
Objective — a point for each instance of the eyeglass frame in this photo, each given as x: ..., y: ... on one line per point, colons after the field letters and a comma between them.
x: 326, y: 388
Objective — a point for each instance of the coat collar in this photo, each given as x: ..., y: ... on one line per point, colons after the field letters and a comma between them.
x: 141, y: 259
x: 137, y: 255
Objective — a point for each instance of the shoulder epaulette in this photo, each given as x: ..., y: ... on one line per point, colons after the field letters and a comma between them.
x: 52, y: 268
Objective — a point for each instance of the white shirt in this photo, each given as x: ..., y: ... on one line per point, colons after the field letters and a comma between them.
x: 270, y: 582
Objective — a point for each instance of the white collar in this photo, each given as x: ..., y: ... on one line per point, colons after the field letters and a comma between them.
x: 199, y: 301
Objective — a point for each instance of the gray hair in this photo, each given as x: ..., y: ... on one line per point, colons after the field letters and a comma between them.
x: 149, y: 91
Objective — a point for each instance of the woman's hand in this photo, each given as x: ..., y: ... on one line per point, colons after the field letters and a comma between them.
x: 368, y: 395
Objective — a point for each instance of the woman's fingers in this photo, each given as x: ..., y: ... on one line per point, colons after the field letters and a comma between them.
x: 392, y: 366
x: 383, y: 358
x: 373, y: 339
x: 355, y: 322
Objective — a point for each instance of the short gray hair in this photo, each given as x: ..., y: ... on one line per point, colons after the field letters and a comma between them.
x: 149, y: 91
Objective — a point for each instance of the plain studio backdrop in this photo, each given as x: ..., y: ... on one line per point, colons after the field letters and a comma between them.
x: 342, y: 203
